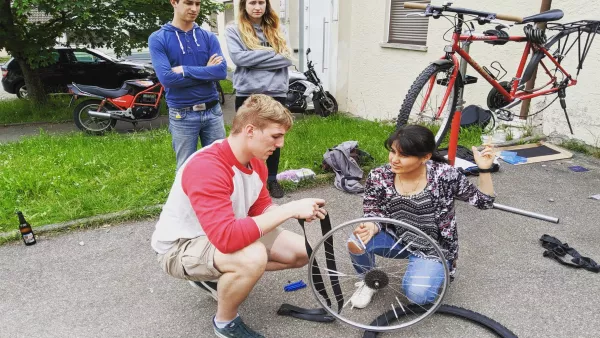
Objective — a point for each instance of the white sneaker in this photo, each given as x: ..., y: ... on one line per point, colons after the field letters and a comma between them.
x: 208, y: 288
x: 362, y: 296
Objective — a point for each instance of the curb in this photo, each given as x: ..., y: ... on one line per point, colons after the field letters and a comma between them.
x: 118, y: 216
x: 85, y: 222
x: 9, y: 125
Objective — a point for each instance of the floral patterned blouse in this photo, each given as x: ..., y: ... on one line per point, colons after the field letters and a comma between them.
x: 444, y: 184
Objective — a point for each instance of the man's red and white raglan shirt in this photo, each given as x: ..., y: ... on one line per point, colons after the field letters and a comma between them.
x: 214, y: 195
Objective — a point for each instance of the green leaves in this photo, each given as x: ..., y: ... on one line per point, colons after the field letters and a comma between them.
x: 30, y: 28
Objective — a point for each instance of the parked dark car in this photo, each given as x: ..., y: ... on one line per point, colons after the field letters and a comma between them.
x: 83, y: 66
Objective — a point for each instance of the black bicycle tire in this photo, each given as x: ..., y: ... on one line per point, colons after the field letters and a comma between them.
x: 414, y: 91
x: 456, y: 311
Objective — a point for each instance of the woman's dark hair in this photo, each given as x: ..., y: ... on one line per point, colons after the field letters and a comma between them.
x: 414, y: 140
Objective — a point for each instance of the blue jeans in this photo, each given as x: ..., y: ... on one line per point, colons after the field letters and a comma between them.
x: 423, y: 277
x: 186, y: 125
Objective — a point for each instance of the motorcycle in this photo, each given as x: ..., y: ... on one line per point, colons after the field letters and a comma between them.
x: 135, y: 101
x: 307, y: 86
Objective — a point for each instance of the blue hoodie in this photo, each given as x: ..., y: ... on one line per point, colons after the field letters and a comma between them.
x: 171, y: 47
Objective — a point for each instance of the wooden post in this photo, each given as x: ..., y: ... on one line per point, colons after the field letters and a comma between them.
x: 546, y: 5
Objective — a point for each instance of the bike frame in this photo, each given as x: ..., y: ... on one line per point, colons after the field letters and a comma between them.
x: 125, y: 102
x: 514, y: 94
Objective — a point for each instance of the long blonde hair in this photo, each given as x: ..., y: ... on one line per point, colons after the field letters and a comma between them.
x: 271, y: 27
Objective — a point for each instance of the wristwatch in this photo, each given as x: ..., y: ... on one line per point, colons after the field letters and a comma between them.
x: 488, y: 170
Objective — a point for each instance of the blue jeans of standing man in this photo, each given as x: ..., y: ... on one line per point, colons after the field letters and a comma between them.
x: 186, y: 125
x: 423, y: 277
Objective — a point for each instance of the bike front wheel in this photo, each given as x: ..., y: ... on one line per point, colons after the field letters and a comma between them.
x: 431, y: 102
x: 397, y: 273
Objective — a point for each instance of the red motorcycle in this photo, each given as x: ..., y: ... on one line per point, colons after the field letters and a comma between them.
x: 135, y: 101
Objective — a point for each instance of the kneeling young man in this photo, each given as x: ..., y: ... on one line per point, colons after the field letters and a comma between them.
x: 219, y: 222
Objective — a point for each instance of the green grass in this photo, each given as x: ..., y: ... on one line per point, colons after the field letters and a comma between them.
x: 24, y: 111
x: 56, y: 178
x: 227, y: 86
x: 581, y: 147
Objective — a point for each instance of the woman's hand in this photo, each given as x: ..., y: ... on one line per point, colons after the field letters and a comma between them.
x: 366, y: 231
x: 485, y: 158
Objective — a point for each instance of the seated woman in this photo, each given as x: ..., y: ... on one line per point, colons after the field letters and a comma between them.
x: 419, y: 187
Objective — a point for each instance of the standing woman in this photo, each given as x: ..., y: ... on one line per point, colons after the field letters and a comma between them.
x: 258, y: 47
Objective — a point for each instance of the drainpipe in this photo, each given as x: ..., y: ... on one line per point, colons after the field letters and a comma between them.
x: 546, y: 5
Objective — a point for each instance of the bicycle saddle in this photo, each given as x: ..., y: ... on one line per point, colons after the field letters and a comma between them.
x: 547, y: 16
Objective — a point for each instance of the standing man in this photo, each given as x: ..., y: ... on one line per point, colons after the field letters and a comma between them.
x: 187, y: 60
x: 226, y: 228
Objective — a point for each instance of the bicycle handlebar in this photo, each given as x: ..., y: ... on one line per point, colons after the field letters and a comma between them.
x: 413, y: 5
x: 506, y: 17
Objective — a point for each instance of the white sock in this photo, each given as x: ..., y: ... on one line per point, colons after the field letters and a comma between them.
x: 221, y: 325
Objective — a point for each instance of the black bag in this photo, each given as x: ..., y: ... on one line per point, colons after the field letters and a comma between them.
x: 475, y: 115
x: 467, y: 155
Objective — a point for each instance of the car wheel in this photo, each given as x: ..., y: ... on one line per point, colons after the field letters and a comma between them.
x: 21, y: 91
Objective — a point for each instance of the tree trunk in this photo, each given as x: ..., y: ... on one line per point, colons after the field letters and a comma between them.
x: 35, y: 89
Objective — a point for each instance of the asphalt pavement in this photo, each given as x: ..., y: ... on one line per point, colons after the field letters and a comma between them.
x: 105, y: 282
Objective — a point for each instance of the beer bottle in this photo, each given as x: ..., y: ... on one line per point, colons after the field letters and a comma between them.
x: 26, y: 231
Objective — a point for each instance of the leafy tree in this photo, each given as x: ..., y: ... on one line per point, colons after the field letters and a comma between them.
x: 122, y: 25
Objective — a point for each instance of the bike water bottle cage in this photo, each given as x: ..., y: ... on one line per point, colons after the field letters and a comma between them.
x: 498, y: 32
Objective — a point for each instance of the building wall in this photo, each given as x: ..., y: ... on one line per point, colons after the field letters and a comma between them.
x: 373, y: 80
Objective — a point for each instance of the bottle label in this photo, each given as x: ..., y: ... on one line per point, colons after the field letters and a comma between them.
x: 29, y: 238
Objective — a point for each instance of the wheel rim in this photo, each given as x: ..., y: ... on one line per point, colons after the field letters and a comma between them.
x: 426, y: 106
x: 23, y: 91
x: 92, y: 123
x: 389, y: 276
x: 328, y: 105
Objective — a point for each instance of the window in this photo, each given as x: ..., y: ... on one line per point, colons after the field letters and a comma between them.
x: 410, y: 30
x: 85, y: 57
x: 229, y: 15
x: 214, y: 27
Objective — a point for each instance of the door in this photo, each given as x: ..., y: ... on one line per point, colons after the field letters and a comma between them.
x: 320, y: 35
x: 317, y: 36
x: 91, y: 70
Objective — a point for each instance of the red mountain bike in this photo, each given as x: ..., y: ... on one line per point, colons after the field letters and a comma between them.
x: 432, y: 98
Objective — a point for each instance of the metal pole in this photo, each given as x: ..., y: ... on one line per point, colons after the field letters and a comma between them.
x: 546, y: 5
x: 526, y: 213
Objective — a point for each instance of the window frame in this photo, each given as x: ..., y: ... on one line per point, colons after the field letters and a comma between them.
x: 419, y: 45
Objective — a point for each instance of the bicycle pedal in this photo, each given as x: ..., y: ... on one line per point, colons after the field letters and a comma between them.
x: 504, y: 115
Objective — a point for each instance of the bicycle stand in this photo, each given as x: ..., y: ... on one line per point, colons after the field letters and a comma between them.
x: 453, y: 146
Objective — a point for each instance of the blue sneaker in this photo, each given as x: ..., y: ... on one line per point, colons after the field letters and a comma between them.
x: 236, y: 329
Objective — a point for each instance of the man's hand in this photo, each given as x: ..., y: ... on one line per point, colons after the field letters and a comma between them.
x: 215, y: 60
x: 177, y: 70
x: 307, y: 208
x: 366, y: 231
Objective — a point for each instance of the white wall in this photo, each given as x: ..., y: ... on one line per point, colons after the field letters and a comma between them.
x: 377, y: 79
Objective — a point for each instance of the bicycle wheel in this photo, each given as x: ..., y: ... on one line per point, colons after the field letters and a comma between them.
x: 424, y: 104
x: 399, y: 273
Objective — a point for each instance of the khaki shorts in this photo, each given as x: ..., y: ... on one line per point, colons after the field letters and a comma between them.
x: 193, y: 259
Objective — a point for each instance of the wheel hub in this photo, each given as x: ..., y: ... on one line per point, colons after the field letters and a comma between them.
x: 376, y: 279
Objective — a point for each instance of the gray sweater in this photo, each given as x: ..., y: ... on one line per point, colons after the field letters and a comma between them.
x: 257, y: 71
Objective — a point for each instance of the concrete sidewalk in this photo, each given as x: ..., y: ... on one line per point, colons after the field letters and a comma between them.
x: 112, y: 286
